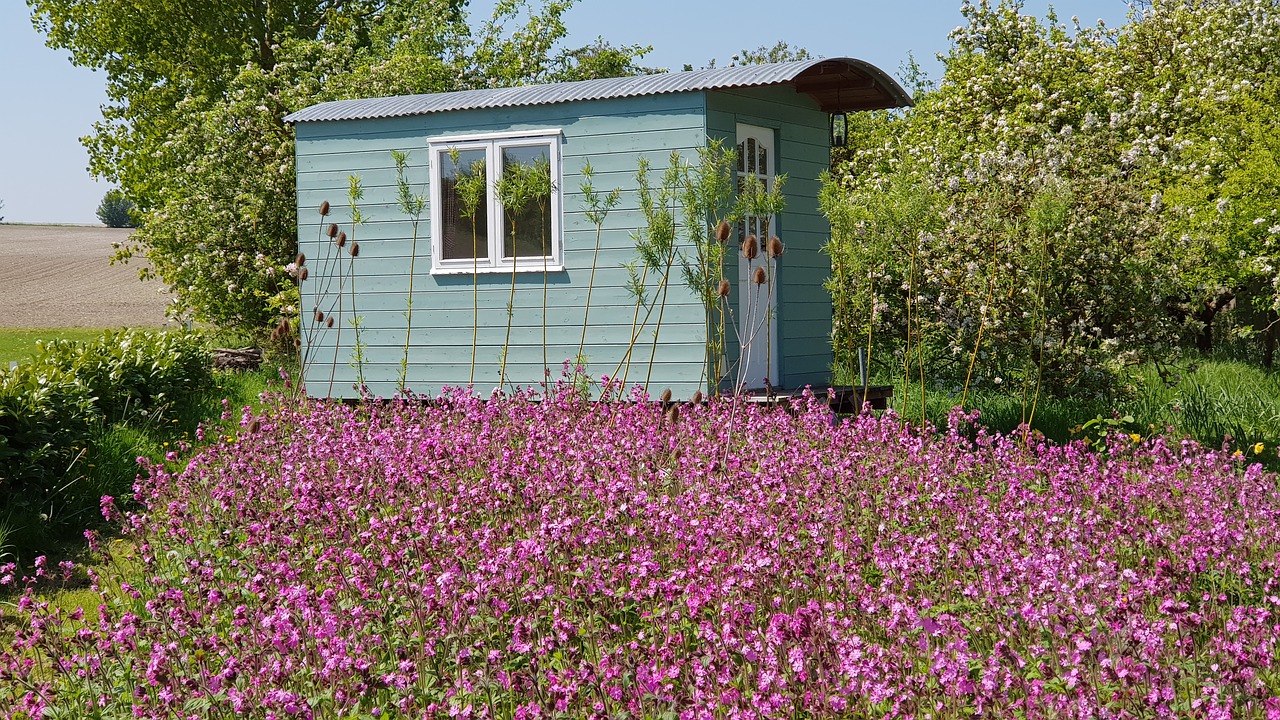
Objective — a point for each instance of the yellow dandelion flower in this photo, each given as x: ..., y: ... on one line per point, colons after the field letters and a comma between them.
x: 1135, y: 437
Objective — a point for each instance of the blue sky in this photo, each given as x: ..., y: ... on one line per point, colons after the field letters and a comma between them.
x: 48, y: 104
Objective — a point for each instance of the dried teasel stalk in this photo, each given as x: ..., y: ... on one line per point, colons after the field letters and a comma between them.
x: 319, y: 316
x: 722, y: 231
x: 333, y: 230
x: 666, y: 396
x: 355, y: 249
x: 329, y: 322
x: 342, y: 239
x: 775, y: 247
x: 324, y: 208
x: 697, y: 397
x: 673, y: 414
x: 750, y: 247
x: 304, y: 274
x: 302, y: 260
x: 760, y: 277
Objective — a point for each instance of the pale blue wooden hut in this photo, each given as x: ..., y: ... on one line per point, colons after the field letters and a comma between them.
x: 778, y: 117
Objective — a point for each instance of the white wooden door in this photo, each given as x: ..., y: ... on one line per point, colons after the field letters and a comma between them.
x: 757, y: 302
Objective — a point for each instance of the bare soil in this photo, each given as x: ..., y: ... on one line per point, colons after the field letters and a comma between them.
x: 56, y: 276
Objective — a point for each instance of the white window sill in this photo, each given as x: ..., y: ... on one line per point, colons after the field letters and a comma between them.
x: 533, y: 265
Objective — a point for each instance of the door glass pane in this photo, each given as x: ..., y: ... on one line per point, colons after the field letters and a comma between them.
x: 524, y: 188
x: 464, y: 200
x: 751, y: 154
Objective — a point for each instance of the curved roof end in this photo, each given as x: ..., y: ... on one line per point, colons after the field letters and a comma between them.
x: 850, y: 85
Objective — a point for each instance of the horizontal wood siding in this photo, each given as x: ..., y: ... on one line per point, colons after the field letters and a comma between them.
x: 451, y: 312
x: 803, y: 151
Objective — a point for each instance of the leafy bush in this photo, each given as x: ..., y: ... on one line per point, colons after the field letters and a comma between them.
x: 116, y: 210
x: 57, y: 407
x: 562, y: 558
x: 132, y: 370
x: 46, y: 414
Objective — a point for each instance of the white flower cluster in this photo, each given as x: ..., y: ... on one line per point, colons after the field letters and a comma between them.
x: 1080, y: 185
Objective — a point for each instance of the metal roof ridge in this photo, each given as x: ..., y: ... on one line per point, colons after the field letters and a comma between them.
x: 760, y: 75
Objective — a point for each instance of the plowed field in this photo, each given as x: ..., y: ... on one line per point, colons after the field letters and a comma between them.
x: 55, y: 276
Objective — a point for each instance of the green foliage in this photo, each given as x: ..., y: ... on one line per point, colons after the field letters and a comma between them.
x: 687, y: 219
x: 707, y: 200
x: 521, y: 187
x: 130, y: 370
x: 596, y: 209
x: 116, y: 210
x: 412, y: 205
x: 778, y: 52
x: 59, y: 414
x: 194, y: 133
x: 46, y: 414
x: 1215, y: 402
x: 1068, y: 202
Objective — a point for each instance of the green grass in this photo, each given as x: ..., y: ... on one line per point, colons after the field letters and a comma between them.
x: 1212, y: 401
x: 18, y: 344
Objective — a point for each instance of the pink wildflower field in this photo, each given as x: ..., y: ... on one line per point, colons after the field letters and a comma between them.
x: 537, y: 557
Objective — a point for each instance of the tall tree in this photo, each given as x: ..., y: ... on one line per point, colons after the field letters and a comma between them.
x: 193, y: 130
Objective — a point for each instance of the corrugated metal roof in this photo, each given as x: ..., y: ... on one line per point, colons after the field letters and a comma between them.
x: 838, y: 84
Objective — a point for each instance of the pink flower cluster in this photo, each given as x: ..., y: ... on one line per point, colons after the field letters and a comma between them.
x: 538, y: 557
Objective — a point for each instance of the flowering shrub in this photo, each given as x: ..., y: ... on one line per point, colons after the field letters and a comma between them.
x: 534, y: 557
x: 1068, y: 202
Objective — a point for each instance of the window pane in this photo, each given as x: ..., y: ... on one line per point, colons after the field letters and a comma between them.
x: 524, y: 190
x: 464, y: 200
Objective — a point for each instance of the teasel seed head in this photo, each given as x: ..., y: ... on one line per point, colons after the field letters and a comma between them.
x: 342, y: 239
x: 333, y: 230
x: 775, y: 247
x: 723, y: 288
x: 666, y: 396
x: 750, y: 247
x: 329, y: 322
x: 722, y: 231
x: 255, y: 426
x: 760, y: 277
x: 304, y: 274
x: 324, y: 208
x: 697, y: 397
x: 301, y: 260
x: 319, y: 316
x: 297, y: 342
x: 355, y: 249
x: 673, y: 414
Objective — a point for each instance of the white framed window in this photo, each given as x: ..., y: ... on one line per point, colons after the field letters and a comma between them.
x: 495, y: 202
